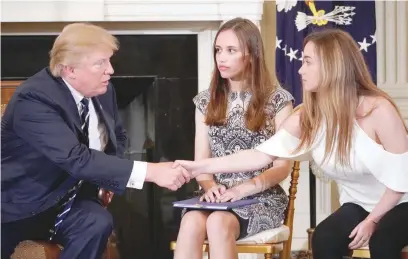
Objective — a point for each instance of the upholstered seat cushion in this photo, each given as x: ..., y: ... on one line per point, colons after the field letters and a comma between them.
x: 30, y: 249
x: 275, y: 235
x: 36, y: 250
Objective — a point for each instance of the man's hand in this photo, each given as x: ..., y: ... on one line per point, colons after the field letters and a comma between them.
x: 164, y: 175
x: 192, y: 167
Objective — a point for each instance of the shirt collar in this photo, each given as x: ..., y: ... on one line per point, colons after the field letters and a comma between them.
x: 77, y: 95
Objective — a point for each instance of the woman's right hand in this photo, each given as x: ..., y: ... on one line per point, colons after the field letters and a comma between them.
x: 214, y: 193
x: 193, y: 167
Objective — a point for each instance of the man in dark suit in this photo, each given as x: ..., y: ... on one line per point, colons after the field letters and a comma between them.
x: 62, y: 139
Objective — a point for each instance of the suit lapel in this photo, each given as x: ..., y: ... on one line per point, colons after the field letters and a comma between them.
x: 70, y: 104
x: 107, y: 119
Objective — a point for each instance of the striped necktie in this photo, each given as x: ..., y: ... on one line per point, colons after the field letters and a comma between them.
x: 66, y: 203
x: 85, y: 118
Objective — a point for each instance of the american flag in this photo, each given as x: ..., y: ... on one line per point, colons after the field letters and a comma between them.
x: 296, y: 19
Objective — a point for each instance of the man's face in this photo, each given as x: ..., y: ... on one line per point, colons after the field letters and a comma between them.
x: 92, y: 75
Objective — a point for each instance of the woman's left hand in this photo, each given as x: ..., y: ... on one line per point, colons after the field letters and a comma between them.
x: 362, y: 233
x: 239, y: 191
x: 233, y: 194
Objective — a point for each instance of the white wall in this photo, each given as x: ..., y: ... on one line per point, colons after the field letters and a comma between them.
x: 392, y: 51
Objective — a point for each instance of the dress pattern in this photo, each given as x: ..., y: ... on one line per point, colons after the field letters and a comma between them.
x: 233, y: 137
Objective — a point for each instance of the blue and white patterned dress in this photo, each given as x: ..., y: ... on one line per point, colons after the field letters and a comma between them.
x: 233, y: 137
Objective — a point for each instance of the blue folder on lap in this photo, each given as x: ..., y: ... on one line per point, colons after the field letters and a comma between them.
x: 195, y: 203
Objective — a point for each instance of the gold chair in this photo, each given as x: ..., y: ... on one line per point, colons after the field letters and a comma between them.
x: 30, y: 249
x: 365, y: 253
x: 280, y: 239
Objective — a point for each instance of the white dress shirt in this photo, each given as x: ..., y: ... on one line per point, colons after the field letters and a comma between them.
x: 98, y: 138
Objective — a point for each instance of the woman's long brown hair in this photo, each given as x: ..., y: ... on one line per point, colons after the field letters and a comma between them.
x: 344, y: 78
x: 255, y: 74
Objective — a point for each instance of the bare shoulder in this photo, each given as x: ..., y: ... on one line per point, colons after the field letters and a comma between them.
x: 382, y: 108
x: 388, y: 125
x: 291, y: 123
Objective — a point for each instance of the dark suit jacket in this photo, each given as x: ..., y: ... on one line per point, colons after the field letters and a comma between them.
x: 42, y: 153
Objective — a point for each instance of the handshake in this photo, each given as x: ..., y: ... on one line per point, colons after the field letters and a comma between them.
x: 171, y: 175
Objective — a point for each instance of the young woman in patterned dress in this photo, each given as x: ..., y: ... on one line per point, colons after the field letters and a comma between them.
x: 242, y: 108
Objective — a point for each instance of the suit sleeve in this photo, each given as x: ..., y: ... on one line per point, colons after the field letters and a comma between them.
x: 38, y: 121
x: 120, y: 131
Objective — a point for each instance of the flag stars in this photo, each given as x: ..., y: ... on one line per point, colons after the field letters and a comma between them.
x: 278, y: 42
x: 364, y: 45
x: 374, y: 38
x: 285, y: 50
x: 301, y: 57
x: 292, y: 54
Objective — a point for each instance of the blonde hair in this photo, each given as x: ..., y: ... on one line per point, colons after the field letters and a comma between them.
x: 75, y: 41
x: 344, y: 78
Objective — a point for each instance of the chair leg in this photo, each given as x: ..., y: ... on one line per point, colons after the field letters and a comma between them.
x: 284, y: 255
x: 286, y: 252
x: 268, y: 256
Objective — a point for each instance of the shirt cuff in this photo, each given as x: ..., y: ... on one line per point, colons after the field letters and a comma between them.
x: 138, y: 175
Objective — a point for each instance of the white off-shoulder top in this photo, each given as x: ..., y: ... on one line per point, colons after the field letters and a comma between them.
x: 371, y: 170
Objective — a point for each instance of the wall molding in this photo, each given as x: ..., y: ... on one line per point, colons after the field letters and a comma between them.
x: 129, y: 10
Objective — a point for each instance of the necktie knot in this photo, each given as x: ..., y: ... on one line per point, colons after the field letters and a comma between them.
x: 85, y: 102
x: 85, y: 110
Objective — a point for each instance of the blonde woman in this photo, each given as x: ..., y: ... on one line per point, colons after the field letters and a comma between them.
x: 355, y: 134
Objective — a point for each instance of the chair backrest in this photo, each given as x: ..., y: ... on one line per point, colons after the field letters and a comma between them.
x: 7, y: 90
x: 290, y: 210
